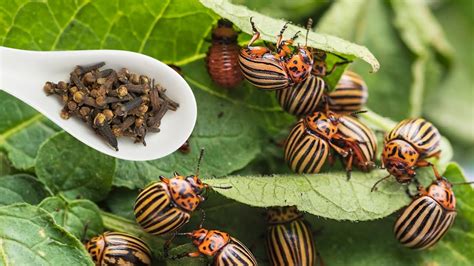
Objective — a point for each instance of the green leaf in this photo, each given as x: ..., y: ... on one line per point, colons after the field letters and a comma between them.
x: 22, y: 131
x: 5, y: 165
x: 296, y: 11
x: 419, y: 29
x: 121, y: 201
x: 328, y: 195
x: 29, y: 236
x: 75, y: 216
x: 370, y: 23
x: 270, y: 27
x: 73, y: 169
x: 452, y: 99
x: 21, y: 188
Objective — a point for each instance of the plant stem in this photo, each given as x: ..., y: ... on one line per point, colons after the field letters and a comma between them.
x: 378, y: 121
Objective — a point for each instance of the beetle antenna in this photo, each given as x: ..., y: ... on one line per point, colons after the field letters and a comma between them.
x: 355, y: 113
x: 374, y: 187
x: 222, y: 187
x: 182, y: 234
x: 309, y: 24
x: 201, y: 154
x: 203, y: 217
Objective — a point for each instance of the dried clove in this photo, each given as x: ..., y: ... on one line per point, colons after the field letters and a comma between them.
x: 113, y: 103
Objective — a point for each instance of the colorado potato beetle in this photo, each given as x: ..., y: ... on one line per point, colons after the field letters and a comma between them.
x: 407, y: 146
x: 222, y: 59
x: 224, y: 249
x: 261, y: 67
x: 114, y: 248
x: 289, y: 238
x: 307, y: 146
x: 304, y: 96
x: 165, y: 206
x: 351, y: 93
x: 428, y: 217
x: 358, y: 141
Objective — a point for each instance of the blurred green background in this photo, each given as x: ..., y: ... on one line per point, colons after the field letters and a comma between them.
x: 425, y: 52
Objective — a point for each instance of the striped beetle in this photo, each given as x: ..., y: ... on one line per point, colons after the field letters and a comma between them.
x: 289, y: 238
x: 407, y: 146
x: 351, y: 93
x: 165, y: 206
x: 114, y: 248
x: 307, y: 146
x: 261, y: 67
x: 428, y: 217
x: 224, y: 249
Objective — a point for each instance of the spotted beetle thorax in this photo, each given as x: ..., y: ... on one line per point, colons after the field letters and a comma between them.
x: 299, y: 65
x: 183, y: 193
x: 278, y: 215
x: 198, y: 236
x: 399, y: 157
x: 321, y: 124
x: 210, y: 242
x: 441, y: 191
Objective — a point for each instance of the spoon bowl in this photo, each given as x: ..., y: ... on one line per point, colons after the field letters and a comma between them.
x: 24, y: 73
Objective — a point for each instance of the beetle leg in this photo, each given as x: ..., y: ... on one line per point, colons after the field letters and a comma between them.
x: 194, y: 254
x: 256, y: 33
x: 339, y: 150
x: 164, y: 179
x: 280, y: 36
x: 341, y: 63
x: 423, y: 163
x: 374, y: 187
x: 349, y: 164
x: 183, y: 255
x: 331, y: 159
x: 166, y: 246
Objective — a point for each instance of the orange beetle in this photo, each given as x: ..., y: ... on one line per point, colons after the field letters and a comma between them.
x: 428, y: 217
x: 407, y: 146
x: 225, y: 249
x: 164, y: 207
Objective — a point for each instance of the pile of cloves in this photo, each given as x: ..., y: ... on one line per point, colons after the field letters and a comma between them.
x: 113, y: 103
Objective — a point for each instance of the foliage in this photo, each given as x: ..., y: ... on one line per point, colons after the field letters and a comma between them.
x: 66, y: 182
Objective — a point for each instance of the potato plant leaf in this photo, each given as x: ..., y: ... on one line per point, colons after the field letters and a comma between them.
x: 73, y: 169
x: 76, y: 216
x: 29, y: 236
x: 22, y: 131
x: 328, y: 195
x: 21, y: 188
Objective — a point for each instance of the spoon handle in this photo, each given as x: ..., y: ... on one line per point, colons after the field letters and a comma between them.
x: 23, y: 71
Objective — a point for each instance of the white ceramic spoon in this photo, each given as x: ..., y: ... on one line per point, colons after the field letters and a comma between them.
x: 23, y: 74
